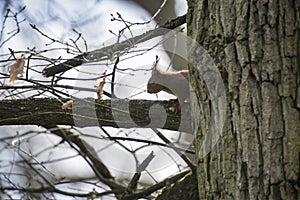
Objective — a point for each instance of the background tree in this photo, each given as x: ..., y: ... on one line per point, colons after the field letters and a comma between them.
x: 256, y: 47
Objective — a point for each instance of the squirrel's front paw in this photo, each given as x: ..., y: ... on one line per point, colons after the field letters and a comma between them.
x: 176, y: 107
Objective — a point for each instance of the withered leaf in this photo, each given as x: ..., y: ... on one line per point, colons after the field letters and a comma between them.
x: 100, y: 87
x: 67, y: 104
x: 16, y: 69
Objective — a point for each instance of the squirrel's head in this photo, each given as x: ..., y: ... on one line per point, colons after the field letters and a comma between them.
x: 155, y: 81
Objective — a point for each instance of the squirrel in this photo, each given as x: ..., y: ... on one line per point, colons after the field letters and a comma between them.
x: 175, y: 83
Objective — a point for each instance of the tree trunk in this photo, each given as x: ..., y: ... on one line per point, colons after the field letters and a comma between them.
x: 256, y: 46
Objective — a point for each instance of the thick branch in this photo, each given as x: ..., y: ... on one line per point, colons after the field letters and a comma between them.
x: 110, y: 51
x: 47, y: 112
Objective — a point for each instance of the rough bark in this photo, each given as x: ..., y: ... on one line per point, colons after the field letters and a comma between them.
x: 47, y: 112
x: 256, y: 45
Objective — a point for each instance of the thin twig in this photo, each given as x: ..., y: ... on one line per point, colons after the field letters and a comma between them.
x: 112, y: 84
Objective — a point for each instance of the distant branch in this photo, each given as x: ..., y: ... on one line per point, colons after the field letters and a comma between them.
x: 114, y: 50
x: 13, y: 33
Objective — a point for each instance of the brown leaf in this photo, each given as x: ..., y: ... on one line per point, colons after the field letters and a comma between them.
x: 100, y: 87
x: 67, y: 104
x: 16, y: 69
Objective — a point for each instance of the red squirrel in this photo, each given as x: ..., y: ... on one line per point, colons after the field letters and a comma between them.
x: 175, y: 83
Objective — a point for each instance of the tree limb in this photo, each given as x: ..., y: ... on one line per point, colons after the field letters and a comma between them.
x: 47, y: 112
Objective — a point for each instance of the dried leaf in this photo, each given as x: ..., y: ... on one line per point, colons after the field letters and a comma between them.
x: 100, y: 87
x: 16, y: 69
x: 67, y: 104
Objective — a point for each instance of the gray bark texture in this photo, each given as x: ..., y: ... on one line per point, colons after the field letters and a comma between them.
x: 256, y: 46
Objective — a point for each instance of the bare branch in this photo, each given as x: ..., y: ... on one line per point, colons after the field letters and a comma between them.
x: 183, y: 156
x: 10, y: 14
x: 111, y: 51
x: 85, y: 151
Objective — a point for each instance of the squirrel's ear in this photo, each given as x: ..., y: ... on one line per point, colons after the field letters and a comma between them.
x: 156, y: 59
x: 154, y: 69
